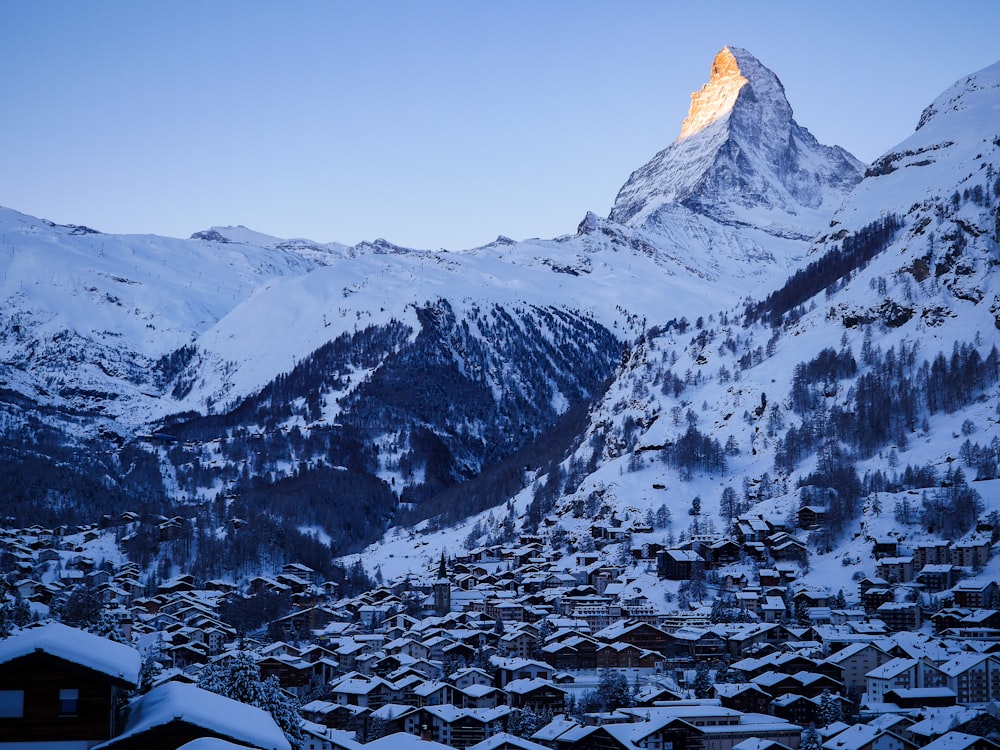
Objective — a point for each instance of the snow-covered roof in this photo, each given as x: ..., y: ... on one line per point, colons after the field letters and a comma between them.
x: 954, y: 741
x: 503, y: 739
x: 211, y: 743
x: 404, y: 741
x: 77, y: 646
x: 175, y: 701
x: 892, y: 668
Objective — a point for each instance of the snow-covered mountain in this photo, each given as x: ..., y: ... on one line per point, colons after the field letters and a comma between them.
x: 336, y: 387
x: 861, y: 385
x: 741, y: 159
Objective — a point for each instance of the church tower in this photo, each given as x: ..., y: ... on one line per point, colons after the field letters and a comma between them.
x: 442, y: 590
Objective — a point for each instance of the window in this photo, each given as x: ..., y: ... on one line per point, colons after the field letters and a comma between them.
x: 68, y: 699
x: 11, y: 704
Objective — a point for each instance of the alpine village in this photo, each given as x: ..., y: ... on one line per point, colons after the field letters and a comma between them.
x: 532, y: 512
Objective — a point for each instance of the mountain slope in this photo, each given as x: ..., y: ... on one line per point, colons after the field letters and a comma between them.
x: 861, y: 385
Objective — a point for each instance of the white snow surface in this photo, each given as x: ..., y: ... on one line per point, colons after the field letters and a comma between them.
x: 175, y: 701
x: 77, y: 646
x: 211, y: 743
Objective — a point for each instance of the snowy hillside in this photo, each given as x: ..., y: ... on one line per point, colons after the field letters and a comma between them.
x: 862, y: 385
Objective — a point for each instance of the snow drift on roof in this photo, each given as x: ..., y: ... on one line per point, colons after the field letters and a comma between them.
x: 78, y: 646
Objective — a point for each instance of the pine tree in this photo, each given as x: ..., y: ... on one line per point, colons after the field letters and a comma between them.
x: 811, y: 740
x: 6, y: 620
x: 829, y: 709
x: 613, y: 690
x: 241, y: 681
x: 151, y: 667
x: 376, y: 730
x: 106, y: 626
x: 702, y: 681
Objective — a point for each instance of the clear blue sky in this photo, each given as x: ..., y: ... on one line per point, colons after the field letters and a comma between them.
x: 431, y: 124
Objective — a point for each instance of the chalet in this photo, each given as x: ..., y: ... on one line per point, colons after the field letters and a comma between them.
x: 893, y: 675
x: 743, y: 696
x: 479, y: 696
x: 752, y: 529
x: 627, y: 656
x: 460, y: 727
x: 698, y: 643
x: 769, y: 577
x: 900, y: 615
x: 537, y: 695
x: 506, y: 741
x: 62, y: 686
x: 520, y: 669
x: 934, y: 697
x: 641, y: 635
x: 301, y: 571
x: 885, y: 546
x: 172, y: 528
x: 295, y: 674
x: 359, y: 691
x: 773, y: 609
x: 784, y: 546
x: 931, y: 553
x: 874, y: 597
x: 175, y: 713
x: 795, y: 708
x: 949, y: 618
x: 676, y: 564
x: 179, y: 583
x: 433, y: 693
x: 961, y: 741
x: 811, y: 517
x: 867, y: 737
x: 974, y: 678
x: 856, y: 661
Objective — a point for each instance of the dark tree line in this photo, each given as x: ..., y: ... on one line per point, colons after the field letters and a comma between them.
x: 838, y: 263
x: 887, y: 403
x: 884, y: 406
x: 51, y: 476
x: 693, y: 452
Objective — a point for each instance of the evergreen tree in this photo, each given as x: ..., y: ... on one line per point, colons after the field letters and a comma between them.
x: 613, y: 690
x: 106, y: 626
x: 151, y: 667
x: 376, y: 730
x: 802, y: 613
x: 81, y: 609
x: 811, y: 740
x: 6, y: 619
x: 702, y: 681
x: 829, y: 709
x: 241, y: 681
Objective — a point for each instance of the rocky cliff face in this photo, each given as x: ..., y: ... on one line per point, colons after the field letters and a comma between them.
x: 742, y: 159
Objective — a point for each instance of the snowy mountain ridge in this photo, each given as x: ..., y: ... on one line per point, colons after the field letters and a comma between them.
x: 742, y: 159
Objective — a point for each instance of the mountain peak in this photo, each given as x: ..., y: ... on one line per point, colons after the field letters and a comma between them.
x: 732, y: 70
x: 741, y: 159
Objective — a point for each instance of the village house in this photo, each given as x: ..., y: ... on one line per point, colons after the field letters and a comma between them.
x: 60, y: 686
